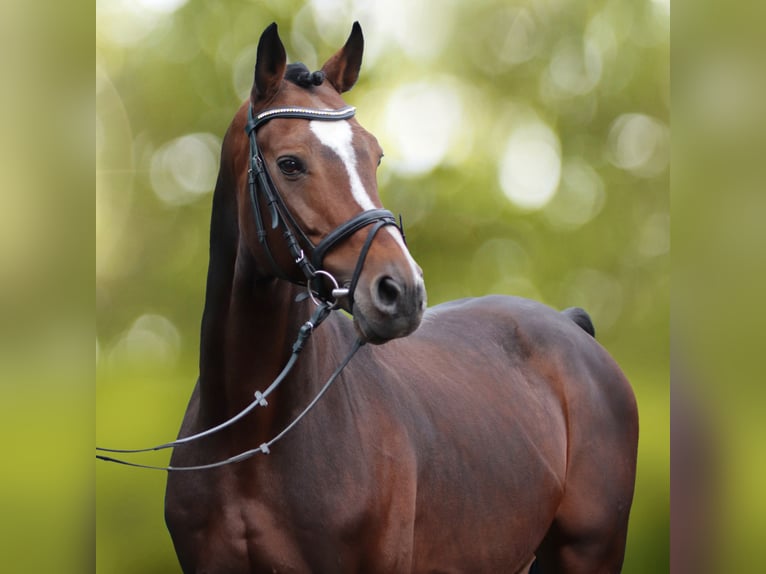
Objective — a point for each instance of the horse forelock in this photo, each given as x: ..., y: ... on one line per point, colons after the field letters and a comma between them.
x: 298, y: 74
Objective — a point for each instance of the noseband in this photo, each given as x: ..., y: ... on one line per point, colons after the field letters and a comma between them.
x: 261, y: 186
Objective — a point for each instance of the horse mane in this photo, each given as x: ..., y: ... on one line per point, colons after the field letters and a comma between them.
x: 300, y: 75
x: 224, y: 242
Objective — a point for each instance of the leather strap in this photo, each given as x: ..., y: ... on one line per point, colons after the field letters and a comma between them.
x: 260, y: 183
x: 347, y: 229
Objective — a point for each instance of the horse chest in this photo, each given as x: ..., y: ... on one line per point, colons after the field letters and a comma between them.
x: 218, y: 526
x: 261, y: 523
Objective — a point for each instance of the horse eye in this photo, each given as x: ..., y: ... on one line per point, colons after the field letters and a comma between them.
x: 290, y: 166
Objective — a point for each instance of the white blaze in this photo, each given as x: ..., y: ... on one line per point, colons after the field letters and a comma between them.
x: 337, y: 135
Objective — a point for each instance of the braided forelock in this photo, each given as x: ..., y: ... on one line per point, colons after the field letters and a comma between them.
x: 300, y: 75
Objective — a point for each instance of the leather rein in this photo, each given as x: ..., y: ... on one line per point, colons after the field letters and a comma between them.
x: 261, y: 187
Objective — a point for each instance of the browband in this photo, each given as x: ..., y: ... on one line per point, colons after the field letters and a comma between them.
x: 296, y: 113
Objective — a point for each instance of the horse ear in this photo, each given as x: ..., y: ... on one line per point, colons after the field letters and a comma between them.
x: 269, y: 66
x: 342, y: 70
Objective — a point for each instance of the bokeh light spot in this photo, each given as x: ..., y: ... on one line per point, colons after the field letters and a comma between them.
x: 596, y: 291
x: 242, y: 71
x: 115, y: 173
x: 502, y: 265
x: 152, y: 340
x: 128, y: 22
x: 580, y: 196
x: 511, y: 38
x: 530, y: 166
x: 417, y: 29
x: 422, y: 121
x: 654, y: 238
x: 185, y: 169
x: 575, y: 67
x: 639, y: 144
x: 161, y: 6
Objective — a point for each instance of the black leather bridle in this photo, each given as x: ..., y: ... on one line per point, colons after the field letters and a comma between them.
x: 261, y: 185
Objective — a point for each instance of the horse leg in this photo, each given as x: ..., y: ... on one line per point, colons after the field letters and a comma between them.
x: 592, y: 555
x: 589, y: 532
x: 590, y: 527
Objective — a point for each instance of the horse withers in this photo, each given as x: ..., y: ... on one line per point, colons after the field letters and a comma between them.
x: 470, y: 437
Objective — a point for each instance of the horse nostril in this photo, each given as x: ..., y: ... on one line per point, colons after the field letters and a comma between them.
x: 387, y: 293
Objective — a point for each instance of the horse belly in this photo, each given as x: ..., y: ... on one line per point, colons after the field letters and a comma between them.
x: 493, y: 537
x: 487, y: 494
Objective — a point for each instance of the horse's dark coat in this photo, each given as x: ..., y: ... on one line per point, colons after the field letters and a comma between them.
x: 497, y: 430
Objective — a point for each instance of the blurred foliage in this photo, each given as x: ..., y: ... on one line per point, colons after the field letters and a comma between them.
x: 718, y: 284
x: 527, y: 147
x: 46, y: 386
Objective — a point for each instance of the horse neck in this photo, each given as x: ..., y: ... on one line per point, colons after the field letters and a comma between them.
x: 249, y: 323
x: 246, y: 346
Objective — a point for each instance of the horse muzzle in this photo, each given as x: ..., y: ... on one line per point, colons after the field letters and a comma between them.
x: 388, y: 307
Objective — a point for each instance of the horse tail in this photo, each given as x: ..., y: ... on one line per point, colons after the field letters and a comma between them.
x: 582, y: 319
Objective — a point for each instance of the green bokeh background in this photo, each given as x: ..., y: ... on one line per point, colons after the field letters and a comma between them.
x: 573, y: 95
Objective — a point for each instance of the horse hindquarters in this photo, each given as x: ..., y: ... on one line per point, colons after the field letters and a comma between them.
x: 589, y: 531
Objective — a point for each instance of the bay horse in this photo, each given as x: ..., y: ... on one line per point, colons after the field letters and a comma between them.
x: 472, y: 436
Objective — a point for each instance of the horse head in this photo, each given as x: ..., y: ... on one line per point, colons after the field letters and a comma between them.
x: 307, y: 199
